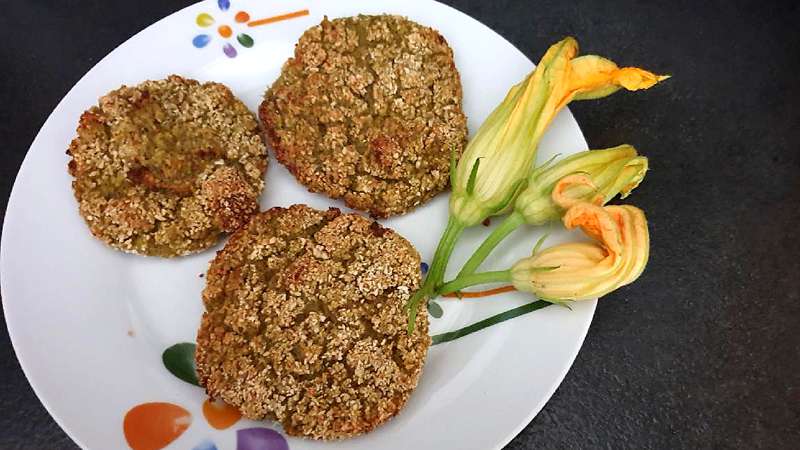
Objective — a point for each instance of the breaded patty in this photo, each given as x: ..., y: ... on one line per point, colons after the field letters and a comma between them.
x: 164, y: 167
x: 368, y: 110
x: 305, y: 322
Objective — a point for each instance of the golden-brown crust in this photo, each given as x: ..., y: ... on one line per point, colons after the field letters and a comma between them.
x: 164, y: 167
x: 305, y: 322
x: 368, y: 110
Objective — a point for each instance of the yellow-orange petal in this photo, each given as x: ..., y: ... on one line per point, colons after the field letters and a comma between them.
x: 565, y: 187
x: 595, y: 222
x: 633, y: 79
x: 595, y: 77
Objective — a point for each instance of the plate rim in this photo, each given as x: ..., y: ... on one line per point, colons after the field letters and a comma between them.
x: 524, y: 422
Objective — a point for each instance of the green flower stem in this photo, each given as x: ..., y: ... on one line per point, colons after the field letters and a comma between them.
x: 475, y: 278
x: 509, y: 224
x: 446, y: 245
x: 494, y: 320
x: 437, y: 268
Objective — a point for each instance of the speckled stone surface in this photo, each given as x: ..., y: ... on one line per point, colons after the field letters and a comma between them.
x: 703, y: 351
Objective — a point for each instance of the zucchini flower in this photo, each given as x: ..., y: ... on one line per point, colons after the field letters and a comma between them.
x: 587, y: 270
x: 499, y: 157
x: 616, y: 256
x: 593, y: 176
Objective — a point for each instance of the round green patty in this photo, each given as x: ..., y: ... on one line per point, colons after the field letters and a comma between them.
x: 368, y: 110
x: 163, y: 168
x: 305, y: 322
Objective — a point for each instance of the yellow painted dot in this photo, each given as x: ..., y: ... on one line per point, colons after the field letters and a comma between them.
x: 225, y: 31
x: 204, y: 20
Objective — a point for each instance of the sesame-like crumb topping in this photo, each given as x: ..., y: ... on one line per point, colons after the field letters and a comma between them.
x: 305, y: 322
x: 164, y: 167
x: 368, y: 110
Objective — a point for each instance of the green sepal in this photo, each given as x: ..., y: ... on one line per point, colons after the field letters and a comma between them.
x: 453, y: 165
x: 543, y: 269
x: 519, y: 185
x: 473, y: 175
x: 539, y: 243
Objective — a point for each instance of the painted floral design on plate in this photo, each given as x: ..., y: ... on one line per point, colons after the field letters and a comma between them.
x: 222, y: 27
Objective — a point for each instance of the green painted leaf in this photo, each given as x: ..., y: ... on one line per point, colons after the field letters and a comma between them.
x: 245, y: 40
x: 434, y: 309
x: 179, y: 360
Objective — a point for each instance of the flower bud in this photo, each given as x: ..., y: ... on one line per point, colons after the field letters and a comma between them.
x: 500, y: 155
x: 593, y: 176
x: 499, y: 158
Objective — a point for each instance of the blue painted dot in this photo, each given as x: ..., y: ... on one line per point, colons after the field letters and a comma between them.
x: 205, y: 445
x: 201, y: 40
x: 224, y: 4
x: 424, y: 268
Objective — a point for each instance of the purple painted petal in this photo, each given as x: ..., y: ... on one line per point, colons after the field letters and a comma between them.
x: 260, y: 439
x: 423, y: 267
x: 229, y: 51
x: 205, y: 445
x: 224, y: 4
x: 201, y: 40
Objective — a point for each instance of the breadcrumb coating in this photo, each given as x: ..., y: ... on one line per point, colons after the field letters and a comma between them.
x: 164, y: 167
x: 368, y: 110
x: 305, y: 322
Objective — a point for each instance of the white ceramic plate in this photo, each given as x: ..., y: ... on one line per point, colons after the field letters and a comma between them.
x: 89, y: 324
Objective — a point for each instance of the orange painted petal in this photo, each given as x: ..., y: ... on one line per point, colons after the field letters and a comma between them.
x: 219, y: 414
x: 153, y: 426
x: 267, y: 20
x: 225, y: 31
x: 242, y: 17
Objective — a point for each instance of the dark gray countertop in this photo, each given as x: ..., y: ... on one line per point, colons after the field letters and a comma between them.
x: 703, y: 351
